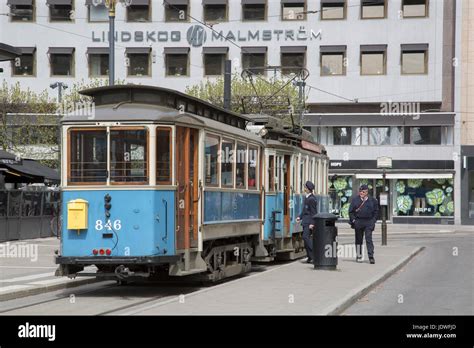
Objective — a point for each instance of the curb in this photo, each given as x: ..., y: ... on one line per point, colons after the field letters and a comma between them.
x: 350, y: 299
x: 44, y: 289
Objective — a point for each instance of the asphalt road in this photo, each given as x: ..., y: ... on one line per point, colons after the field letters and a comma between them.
x: 438, y: 281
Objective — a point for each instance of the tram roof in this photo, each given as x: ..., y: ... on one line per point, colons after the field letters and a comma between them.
x: 164, y: 97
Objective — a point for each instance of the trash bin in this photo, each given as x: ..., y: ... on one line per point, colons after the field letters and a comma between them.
x: 325, y: 241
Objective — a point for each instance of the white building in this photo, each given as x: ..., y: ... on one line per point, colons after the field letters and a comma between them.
x: 382, y: 78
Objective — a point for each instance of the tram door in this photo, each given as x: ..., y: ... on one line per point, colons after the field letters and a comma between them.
x: 188, y: 188
x: 286, y: 194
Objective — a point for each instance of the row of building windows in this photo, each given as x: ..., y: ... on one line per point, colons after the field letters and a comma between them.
x: 333, y: 60
x: 393, y: 135
x: 215, y: 10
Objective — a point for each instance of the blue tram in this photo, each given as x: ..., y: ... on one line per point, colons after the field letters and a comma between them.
x: 157, y: 183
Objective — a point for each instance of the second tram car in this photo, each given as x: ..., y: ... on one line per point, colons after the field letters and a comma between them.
x: 157, y: 183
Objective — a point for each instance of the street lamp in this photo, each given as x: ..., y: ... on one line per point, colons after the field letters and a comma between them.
x: 384, y: 163
x: 60, y: 86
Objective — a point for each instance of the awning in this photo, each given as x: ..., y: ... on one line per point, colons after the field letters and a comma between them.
x: 176, y: 2
x: 254, y: 50
x: 215, y: 50
x: 293, y: 49
x: 253, y: 2
x: 58, y: 2
x: 414, y: 47
x: 406, y: 176
x: 176, y: 50
x: 33, y: 168
x: 8, y: 52
x: 389, y: 119
x: 20, y: 2
x: 333, y: 49
x: 27, y: 50
x: 97, y: 50
x: 61, y: 50
x: 214, y: 2
x: 373, y: 48
x: 373, y: 2
x: 292, y: 1
x: 140, y: 2
x: 8, y: 158
x: 137, y: 50
x: 332, y: 1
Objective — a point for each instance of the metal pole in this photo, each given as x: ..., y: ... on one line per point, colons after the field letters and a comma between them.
x: 227, y: 84
x: 384, y: 215
x: 60, y: 92
x: 111, y: 42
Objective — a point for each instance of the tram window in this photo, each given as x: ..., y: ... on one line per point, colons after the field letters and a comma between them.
x: 88, y: 156
x: 252, y: 167
x: 211, y: 168
x: 241, y: 160
x: 163, y: 154
x: 128, y: 156
x: 227, y: 163
x: 271, y: 173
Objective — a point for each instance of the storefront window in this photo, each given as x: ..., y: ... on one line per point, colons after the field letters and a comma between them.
x: 424, y: 197
x: 340, y: 193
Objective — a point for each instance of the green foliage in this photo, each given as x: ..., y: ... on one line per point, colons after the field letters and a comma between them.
x: 400, y: 186
x: 340, y: 183
x: 414, y: 183
x: 345, y: 210
x: 404, y: 204
x: 435, y: 197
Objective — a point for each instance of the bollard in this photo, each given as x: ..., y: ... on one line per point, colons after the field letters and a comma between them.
x: 325, y: 241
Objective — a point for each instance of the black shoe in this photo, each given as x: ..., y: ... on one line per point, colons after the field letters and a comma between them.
x: 372, y: 261
x: 309, y: 260
x: 359, y: 259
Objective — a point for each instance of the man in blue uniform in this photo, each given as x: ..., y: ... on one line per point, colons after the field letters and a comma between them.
x: 363, y: 213
x: 310, y: 208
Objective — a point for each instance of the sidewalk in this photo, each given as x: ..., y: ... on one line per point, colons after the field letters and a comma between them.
x: 344, y: 228
x: 27, y: 268
x: 289, y: 289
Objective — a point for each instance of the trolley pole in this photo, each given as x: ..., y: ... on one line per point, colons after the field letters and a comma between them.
x: 384, y: 215
x: 301, y: 87
x: 111, y: 5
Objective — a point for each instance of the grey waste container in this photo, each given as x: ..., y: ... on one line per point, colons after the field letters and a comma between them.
x: 325, y: 241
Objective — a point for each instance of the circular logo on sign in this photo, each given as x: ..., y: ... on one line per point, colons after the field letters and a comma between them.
x: 196, y: 35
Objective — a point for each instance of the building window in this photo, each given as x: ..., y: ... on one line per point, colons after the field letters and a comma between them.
x: 98, y: 12
x: 214, y: 64
x: 61, y: 12
x: 253, y: 167
x: 373, y: 60
x: 25, y: 64
x: 128, y: 155
x: 227, y: 163
x: 340, y: 194
x: 415, y: 59
x: 177, y: 61
x: 176, y: 12
x: 333, y: 9
x: 98, y: 65
x: 138, y: 61
x: 240, y: 166
x: 62, y: 61
x: 293, y: 11
x: 215, y: 12
x: 426, y: 135
x: 292, y: 61
x: 88, y: 156
x: 371, y: 9
x: 21, y: 11
x: 254, y: 59
x: 342, y: 136
x: 424, y: 197
x: 163, y: 156
x: 415, y: 8
x: 254, y: 12
x: 333, y: 60
x: 211, y: 151
x: 138, y: 11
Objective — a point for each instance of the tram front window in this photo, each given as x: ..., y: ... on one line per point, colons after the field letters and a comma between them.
x: 128, y: 156
x: 88, y: 156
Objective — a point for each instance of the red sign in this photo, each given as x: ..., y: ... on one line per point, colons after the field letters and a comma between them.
x: 310, y: 146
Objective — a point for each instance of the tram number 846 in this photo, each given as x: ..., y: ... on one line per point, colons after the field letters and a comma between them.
x: 108, y: 225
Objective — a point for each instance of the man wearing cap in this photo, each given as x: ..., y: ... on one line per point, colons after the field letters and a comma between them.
x: 363, y: 214
x: 310, y: 208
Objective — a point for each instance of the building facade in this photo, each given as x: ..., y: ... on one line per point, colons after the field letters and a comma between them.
x: 382, y: 81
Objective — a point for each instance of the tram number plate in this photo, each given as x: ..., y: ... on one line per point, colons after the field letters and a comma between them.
x: 108, y: 225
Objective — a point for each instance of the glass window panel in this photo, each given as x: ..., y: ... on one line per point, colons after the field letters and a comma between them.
x: 138, y: 13
x: 414, y: 8
x: 60, y: 13
x: 227, y: 163
x: 271, y: 173
x: 252, y: 167
x: 253, y: 12
x: 176, y: 64
x: 373, y: 63
x: 88, y: 156
x: 342, y: 135
x: 211, y: 150
x: 290, y: 62
x: 340, y: 194
x: 413, y: 63
x: 163, y: 156
x: 99, y: 64
x: 61, y: 64
x: 332, y: 11
x: 128, y: 156
x: 241, y: 165
x: 428, y: 135
x: 24, y: 65
x: 215, y: 13
x: 176, y: 13
x: 379, y: 136
x: 214, y: 64
x: 396, y: 135
x: 254, y: 62
x: 139, y: 64
x: 293, y: 12
x: 99, y: 13
x: 332, y: 64
x: 21, y: 13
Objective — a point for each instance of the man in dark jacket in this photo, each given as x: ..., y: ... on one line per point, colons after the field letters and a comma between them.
x: 310, y: 208
x: 363, y: 214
